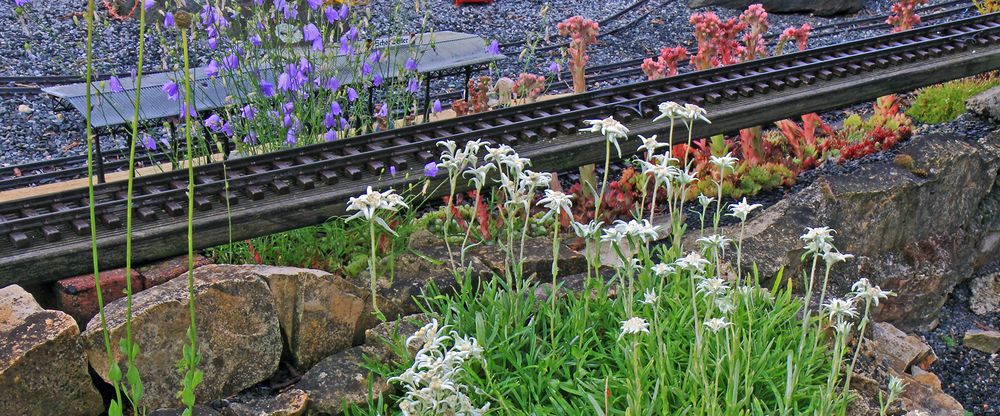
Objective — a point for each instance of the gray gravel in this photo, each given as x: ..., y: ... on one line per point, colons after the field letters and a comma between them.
x: 54, y: 47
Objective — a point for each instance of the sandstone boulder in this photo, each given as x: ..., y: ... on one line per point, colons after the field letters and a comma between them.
x: 537, y: 259
x: 817, y: 7
x: 985, y: 294
x: 319, y: 313
x: 901, y: 350
x: 893, y: 219
x: 985, y: 341
x: 237, y: 330
x: 291, y: 402
x: 43, y: 370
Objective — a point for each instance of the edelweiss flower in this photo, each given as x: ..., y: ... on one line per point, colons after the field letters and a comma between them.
x: 818, y: 240
x: 649, y: 144
x: 694, y: 113
x: 724, y: 162
x: 640, y: 230
x: 725, y: 304
x: 833, y: 257
x: 611, y: 129
x: 864, y: 290
x: 742, y: 209
x: 649, y: 297
x: 705, y: 201
x: 497, y: 154
x: 840, y: 308
x: 712, y: 287
x: 372, y: 201
x: 685, y: 178
x: 670, y: 110
x: 662, y: 174
x: 587, y: 230
x: 530, y: 179
x: 715, y: 242
x: 478, y: 175
x: 556, y: 202
x: 634, y: 326
x: 663, y: 269
x: 843, y: 327
x: 693, y: 262
x: 717, y: 324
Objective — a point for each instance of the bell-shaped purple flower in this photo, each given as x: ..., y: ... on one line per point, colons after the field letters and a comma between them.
x: 331, y: 15
x: 213, y: 43
x: 411, y: 64
x: 383, y: 111
x: 214, y: 123
x: 412, y: 86
x: 314, y: 4
x: 494, y: 48
x: 213, y: 68
x: 330, y: 135
x: 366, y: 69
x: 148, y: 142
x: 377, y: 79
x: 335, y: 109
x: 168, y: 20
x: 437, y: 106
x: 333, y: 84
x: 343, y: 11
x: 115, y: 85
x: 249, y: 112
x: 231, y: 62
x: 430, y: 169
x: 285, y: 82
x: 267, y: 89
x: 554, y: 67
x: 250, y: 138
x: 310, y: 33
x: 256, y: 41
x: 290, y: 137
x: 352, y: 94
x: 148, y: 4
x: 170, y: 88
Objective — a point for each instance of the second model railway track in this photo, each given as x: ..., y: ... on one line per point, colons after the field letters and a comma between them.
x: 297, y: 187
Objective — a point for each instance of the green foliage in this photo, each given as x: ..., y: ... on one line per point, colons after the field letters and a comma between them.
x: 949, y: 341
x: 944, y: 102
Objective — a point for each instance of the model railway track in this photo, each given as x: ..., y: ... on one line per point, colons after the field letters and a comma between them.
x: 297, y: 187
x: 52, y: 171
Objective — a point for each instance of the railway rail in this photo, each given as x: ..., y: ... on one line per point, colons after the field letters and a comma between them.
x: 297, y: 187
x: 56, y: 170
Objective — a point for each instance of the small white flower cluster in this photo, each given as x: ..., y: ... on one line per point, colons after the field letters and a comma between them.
x: 611, y: 129
x: 634, y: 231
x: 819, y: 242
x: 432, y: 384
x: 688, y: 113
x: 368, y: 204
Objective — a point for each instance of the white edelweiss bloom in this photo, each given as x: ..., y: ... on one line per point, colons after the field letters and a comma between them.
x: 663, y: 269
x: 717, y: 324
x: 634, y: 325
x: 694, y: 113
x: 684, y: 178
x: 587, y: 230
x: 896, y: 385
x: 531, y: 179
x: 371, y: 201
x: 742, y: 209
x: 705, y: 201
x: 693, y: 262
x: 613, y: 235
x: 640, y: 230
x: 516, y: 163
x: 715, y: 241
x: 670, y: 110
x: 478, y: 175
x: 433, y: 384
x: 498, y: 154
x: 724, y: 162
x: 818, y: 240
x: 863, y: 290
x: 843, y: 327
x: 611, y: 129
x: 832, y: 257
x: 649, y: 144
x: 725, y: 304
x: 662, y: 174
x: 712, y: 287
x: 450, y: 147
x: 556, y: 202
x: 649, y: 297
x: 472, y: 147
x: 840, y: 308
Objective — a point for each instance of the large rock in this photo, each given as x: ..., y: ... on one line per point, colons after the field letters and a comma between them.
x: 985, y: 341
x: 238, y: 336
x: 344, y: 378
x: 291, y: 402
x: 901, y: 350
x: 927, y: 399
x: 817, y: 7
x: 537, y: 259
x: 319, y: 313
x: 986, y: 103
x: 43, y: 370
x: 985, y: 294
x: 915, y: 230
x: 398, y: 290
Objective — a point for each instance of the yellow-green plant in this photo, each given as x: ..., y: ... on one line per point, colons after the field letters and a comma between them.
x: 944, y: 102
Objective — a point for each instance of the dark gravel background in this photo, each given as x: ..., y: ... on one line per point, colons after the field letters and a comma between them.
x: 48, y: 40
x: 971, y: 376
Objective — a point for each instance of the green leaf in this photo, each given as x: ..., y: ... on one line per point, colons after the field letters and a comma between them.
x: 115, y: 373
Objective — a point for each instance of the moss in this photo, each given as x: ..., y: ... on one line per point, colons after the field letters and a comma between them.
x: 904, y: 161
x: 944, y: 102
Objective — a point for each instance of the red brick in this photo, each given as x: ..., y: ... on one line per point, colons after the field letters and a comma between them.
x: 166, y: 270
x: 77, y: 295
